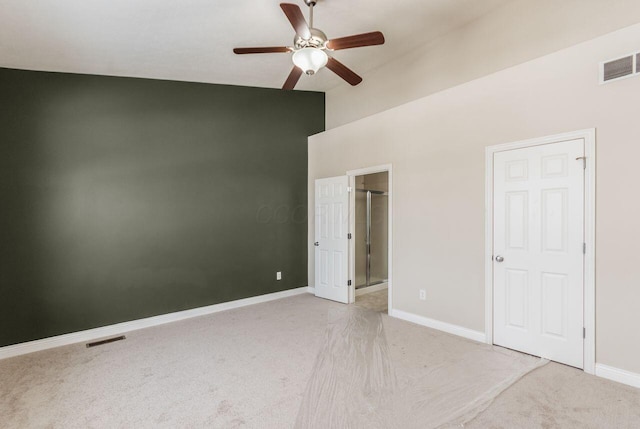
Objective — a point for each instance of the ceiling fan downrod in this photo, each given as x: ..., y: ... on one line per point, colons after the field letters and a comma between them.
x: 311, y: 4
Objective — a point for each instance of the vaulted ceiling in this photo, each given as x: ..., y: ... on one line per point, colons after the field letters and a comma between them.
x: 192, y: 40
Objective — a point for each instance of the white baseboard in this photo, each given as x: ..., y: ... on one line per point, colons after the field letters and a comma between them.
x: 121, y: 328
x: 440, y: 326
x: 311, y: 290
x: 371, y: 289
x: 619, y: 375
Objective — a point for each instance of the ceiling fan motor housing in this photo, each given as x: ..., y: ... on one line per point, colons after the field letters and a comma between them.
x: 318, y: 40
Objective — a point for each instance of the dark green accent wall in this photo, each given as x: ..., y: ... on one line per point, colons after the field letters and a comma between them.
x: 126, y: 198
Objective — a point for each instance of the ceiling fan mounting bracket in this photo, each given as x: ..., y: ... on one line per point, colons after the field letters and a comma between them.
x: 310, y: 2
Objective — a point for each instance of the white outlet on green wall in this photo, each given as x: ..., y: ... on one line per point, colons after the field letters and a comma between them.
x: 279, y: 275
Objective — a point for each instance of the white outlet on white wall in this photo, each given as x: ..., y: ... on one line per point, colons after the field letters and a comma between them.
x: 423, y: 295
x: 279, y: 275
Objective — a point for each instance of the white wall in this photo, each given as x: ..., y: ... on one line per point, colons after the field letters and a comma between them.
x: 519, y: 31
x: 436, y: 145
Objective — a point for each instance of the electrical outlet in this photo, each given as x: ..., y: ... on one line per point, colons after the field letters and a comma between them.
x: 279, y: 275
x: 423, y: 295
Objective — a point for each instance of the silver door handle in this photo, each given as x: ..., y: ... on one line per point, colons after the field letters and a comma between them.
x: 499, y: 258
x: 316, y: 244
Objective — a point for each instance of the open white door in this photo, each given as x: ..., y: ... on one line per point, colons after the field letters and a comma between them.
x: 331, y: 245
x: 538, y: 250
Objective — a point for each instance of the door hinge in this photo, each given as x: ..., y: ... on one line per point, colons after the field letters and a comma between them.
x: 349, y: 283
x: 584, y: 248
x: 584, y: 333
x: 349, y: 236
x: 584, y: 161
x: 349, y: 189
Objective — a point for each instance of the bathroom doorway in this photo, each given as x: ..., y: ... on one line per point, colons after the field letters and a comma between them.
x: 371, y: 240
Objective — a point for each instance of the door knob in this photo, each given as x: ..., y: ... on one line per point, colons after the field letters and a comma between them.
x: 499, y: 258
x: 316, y: 244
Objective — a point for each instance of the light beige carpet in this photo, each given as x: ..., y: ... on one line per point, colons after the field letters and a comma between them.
x: 373, y: 371
x: 376, y: 301
x: 558, y: 396
x: 277, y: 364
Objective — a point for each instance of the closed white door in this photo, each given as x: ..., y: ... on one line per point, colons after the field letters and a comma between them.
x: 331, y: 245
x: 538, y: 251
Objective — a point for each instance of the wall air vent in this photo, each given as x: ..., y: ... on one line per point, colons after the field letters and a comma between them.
x: 620, y: 68
x: 107, y: 341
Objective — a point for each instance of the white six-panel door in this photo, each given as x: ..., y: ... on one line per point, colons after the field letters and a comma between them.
x: 331, y: 245
x: 538, y: 251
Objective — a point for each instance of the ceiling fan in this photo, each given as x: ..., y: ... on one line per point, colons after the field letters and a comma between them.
x: 310, y: 47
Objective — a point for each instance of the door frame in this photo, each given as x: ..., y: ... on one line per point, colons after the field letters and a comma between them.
x: 352, y: 174
x: 589, y: 137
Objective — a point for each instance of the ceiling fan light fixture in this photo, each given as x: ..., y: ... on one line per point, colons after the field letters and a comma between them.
x: 310, y: 60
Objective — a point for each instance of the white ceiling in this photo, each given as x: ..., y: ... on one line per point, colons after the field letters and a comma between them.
x: 192, y: 40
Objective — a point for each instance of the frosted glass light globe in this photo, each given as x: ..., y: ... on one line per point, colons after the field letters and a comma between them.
x: 310, y: 60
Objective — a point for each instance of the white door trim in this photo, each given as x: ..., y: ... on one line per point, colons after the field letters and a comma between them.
x: 352, y: 226
x: 589, y: 136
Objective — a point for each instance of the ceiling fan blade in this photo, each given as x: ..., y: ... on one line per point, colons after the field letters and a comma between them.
x: 359, y: 40
x: 264, y: 50
x: 343, y: 71
x: 294, y: 14
x: 291, y: 81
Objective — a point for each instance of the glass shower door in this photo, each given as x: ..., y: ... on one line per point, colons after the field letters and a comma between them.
x: 378, y: 238
x: 371, y: 234
x: 360, y: 235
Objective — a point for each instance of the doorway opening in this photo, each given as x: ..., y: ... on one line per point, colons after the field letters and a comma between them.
x: 370, y: 244
x: 353, y: 238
